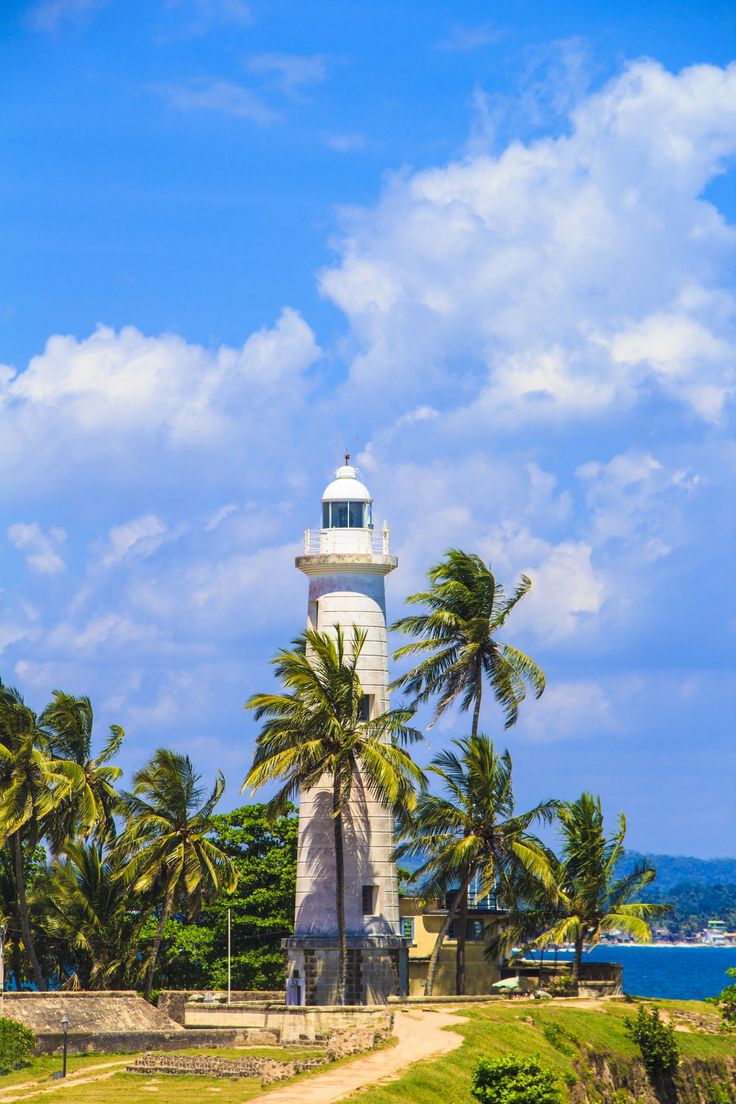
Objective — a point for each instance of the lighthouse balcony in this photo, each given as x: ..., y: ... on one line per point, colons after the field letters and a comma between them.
x: 361, y: 541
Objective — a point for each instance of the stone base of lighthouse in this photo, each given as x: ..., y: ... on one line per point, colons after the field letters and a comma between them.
x: 377, y: 968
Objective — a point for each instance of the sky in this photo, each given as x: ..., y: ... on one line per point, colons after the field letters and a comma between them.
x: 487, y: 248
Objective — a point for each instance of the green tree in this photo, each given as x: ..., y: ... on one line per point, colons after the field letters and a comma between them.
x: 91, y: 917
x: 592, y: 898
x: 263, y: 851
x: 466, y: 608
x: 316, y: 729
x: 32, y: 785
x: 68, y: 722
x: 472, y: 830
x: 165, y: 848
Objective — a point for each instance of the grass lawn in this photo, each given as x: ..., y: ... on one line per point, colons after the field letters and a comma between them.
x: 39, y: 1072
x: 519, y: 1028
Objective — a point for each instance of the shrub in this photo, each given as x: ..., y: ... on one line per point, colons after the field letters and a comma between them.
x: 17, y: 1044
x: 560, y: 1038
x: 514, y: 1081
x: 656, y: 1041
x: 563, y: 985
x: 726, y: 1001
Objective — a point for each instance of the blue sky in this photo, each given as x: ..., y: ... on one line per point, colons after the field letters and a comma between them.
x: 488, y: 248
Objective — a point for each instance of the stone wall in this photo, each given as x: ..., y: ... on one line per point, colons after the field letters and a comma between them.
x: 173, y: 1001
x: 343, y: 1044
x: 291, y: 1024
x: 131, y: 1042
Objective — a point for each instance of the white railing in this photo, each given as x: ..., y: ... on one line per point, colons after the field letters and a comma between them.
x: 361, y: 541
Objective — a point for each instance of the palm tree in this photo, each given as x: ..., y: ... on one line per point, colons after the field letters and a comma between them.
x: 33, y: 784
x: 165, y: 847
x: 466, y: 608
x: 69, y: 722
x: 90, y: 910
x: 592, y: 897
x: 472, y: 831
x: 316, y: 729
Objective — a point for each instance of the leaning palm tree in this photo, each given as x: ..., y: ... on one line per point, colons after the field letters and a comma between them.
x: 592, y: 897
x: 316, y: 729
x: 466, y: 608
x: 32, y: 785
x: 90, y: 810
x: 472, y: 831
x: 165, y: 847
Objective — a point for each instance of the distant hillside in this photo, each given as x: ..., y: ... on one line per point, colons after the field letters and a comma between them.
x: 674, y: 870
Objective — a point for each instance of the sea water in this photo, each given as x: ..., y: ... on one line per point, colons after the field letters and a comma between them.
x: 666, y: 970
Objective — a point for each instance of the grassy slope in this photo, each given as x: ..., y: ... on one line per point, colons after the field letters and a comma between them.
x: 495, y: 1030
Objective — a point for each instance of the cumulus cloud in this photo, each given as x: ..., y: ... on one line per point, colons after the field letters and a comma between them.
x: 39, y: 548
x: 570, y: 273
x: 122, y: 395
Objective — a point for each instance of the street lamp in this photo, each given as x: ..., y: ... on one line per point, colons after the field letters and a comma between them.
x: 65, y: 1025
x: 3, y: 930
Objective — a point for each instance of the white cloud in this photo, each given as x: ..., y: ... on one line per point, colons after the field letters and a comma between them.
x: 463, y: 38
x: 346, y: 142
x: 637, y: 501
x: 221, y: 96
x: 569, y: 275
x: 138, y: 538
x: 124, y: 395
x: 290, y: 71
x: 50, y: 15
x: 40, y: 548
x: 570, y: 710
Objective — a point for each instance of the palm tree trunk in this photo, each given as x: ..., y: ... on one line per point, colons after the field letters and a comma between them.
x: 168, y: 904
x: 342, y: 942
x: 441, y: 935
x: 476, y: 707
x: 578, y: 959
x: 462, y: 924
x: 25, y: 924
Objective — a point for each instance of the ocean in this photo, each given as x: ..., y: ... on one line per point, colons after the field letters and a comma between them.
x: 678, y: 973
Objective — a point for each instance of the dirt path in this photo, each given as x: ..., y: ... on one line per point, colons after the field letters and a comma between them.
x: 29, y: 1090
x: 420, y: 1034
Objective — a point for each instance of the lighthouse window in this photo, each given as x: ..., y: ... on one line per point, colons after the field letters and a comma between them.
x: 370, y: 897
x: 347, y: 515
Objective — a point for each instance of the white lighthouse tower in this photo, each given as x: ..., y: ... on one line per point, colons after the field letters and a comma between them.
x: 347, y: 562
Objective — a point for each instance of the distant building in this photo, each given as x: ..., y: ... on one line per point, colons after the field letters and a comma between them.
x: 420, y: 923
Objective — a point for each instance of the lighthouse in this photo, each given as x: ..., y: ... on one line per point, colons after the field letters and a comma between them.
x: 346, y: 562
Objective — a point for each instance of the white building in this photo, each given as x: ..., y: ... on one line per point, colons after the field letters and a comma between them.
x: 346, y: 563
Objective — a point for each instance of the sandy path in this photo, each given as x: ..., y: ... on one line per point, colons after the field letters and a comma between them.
x: 421, y: 1036
x: 29, y: 1090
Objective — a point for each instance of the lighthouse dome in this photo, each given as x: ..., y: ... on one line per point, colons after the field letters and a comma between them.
x: 346, y: 487
x: 346, y: 502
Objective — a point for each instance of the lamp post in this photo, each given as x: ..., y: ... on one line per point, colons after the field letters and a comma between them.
x: 65, y: 1025
x: 3, y: 930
